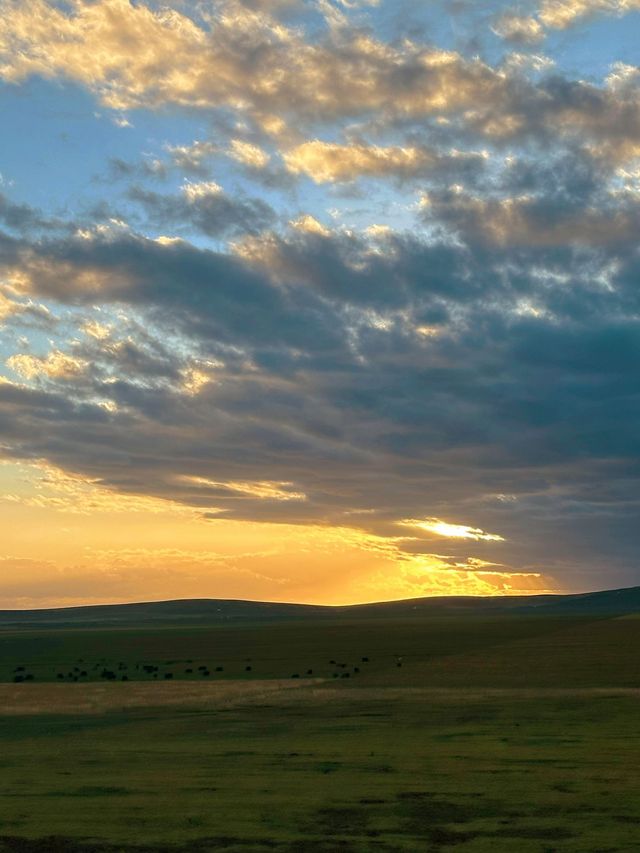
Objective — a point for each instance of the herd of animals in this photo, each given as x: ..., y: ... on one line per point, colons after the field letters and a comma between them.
x: 106, y: 671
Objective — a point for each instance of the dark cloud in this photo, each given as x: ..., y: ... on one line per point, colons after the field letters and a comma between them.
x: 566, y: 199
x: 482, y: 385
x: 119, y: 169
x: 24, y: 218
x: 209, y: 211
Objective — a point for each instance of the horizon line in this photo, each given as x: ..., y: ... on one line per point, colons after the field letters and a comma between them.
x: 322, y: 606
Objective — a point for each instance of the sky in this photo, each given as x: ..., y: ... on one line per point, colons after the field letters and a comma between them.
x: 325, y: 301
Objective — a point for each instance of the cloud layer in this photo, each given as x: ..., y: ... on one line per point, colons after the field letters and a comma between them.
x: 390, y: 288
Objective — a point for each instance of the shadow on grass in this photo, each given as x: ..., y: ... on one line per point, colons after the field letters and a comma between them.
x: 62, y: 844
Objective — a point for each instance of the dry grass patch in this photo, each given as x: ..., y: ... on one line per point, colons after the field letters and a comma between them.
x: 92, y: 698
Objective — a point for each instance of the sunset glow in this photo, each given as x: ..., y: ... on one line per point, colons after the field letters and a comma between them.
x: 453, y: 531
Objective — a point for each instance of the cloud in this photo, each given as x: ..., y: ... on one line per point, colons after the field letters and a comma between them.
x: 560, y: 14
x: 53, y: 488
x: 570, y: 199
x: 206, y: 208
x: 180, y: 62
x: 23, y: 312
x: 23, y: 217
x: 328, y: 162
x: 460, y: 328
x: 310, y: 225
x: 119, y: 48
x: 326, y: 386
x: 193, y: 158
x: 146, y: 168
x: 248, y: 154
x: 55, y: 365
x: 454, y: 531
x: 533, y: 222
x: 263, y: 490
x: 285, y: 82
x: 519, y: 29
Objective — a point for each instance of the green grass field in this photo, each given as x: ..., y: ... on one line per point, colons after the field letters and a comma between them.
x: 495, y: 734
x: 431, y: 650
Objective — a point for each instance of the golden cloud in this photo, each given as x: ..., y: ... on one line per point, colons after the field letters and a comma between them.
x: 49, y: 487
x: 196, y: 191
x: 136, y: 56
x: 557, y: 15
x: 262, y: 489
x: 248, y: 154
x: 560, y: 14
x: 309, y: 225
x: 326, y: 162
x: 55, y: 365
x: 451, y: 531
x: 519, y: 28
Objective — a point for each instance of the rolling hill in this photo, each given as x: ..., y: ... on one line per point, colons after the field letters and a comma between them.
x: 231, y: 611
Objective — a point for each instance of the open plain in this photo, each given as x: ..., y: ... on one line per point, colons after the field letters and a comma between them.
x: 465, y: 732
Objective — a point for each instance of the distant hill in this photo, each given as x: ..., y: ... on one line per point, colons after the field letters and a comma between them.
x: 606, y: 602
x: 231, y: 611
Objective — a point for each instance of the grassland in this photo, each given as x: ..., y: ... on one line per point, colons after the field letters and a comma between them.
x: 265, y: 651
x: 496, y: 733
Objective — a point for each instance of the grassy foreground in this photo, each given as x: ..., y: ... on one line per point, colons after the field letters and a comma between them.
x: 493, y: 735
